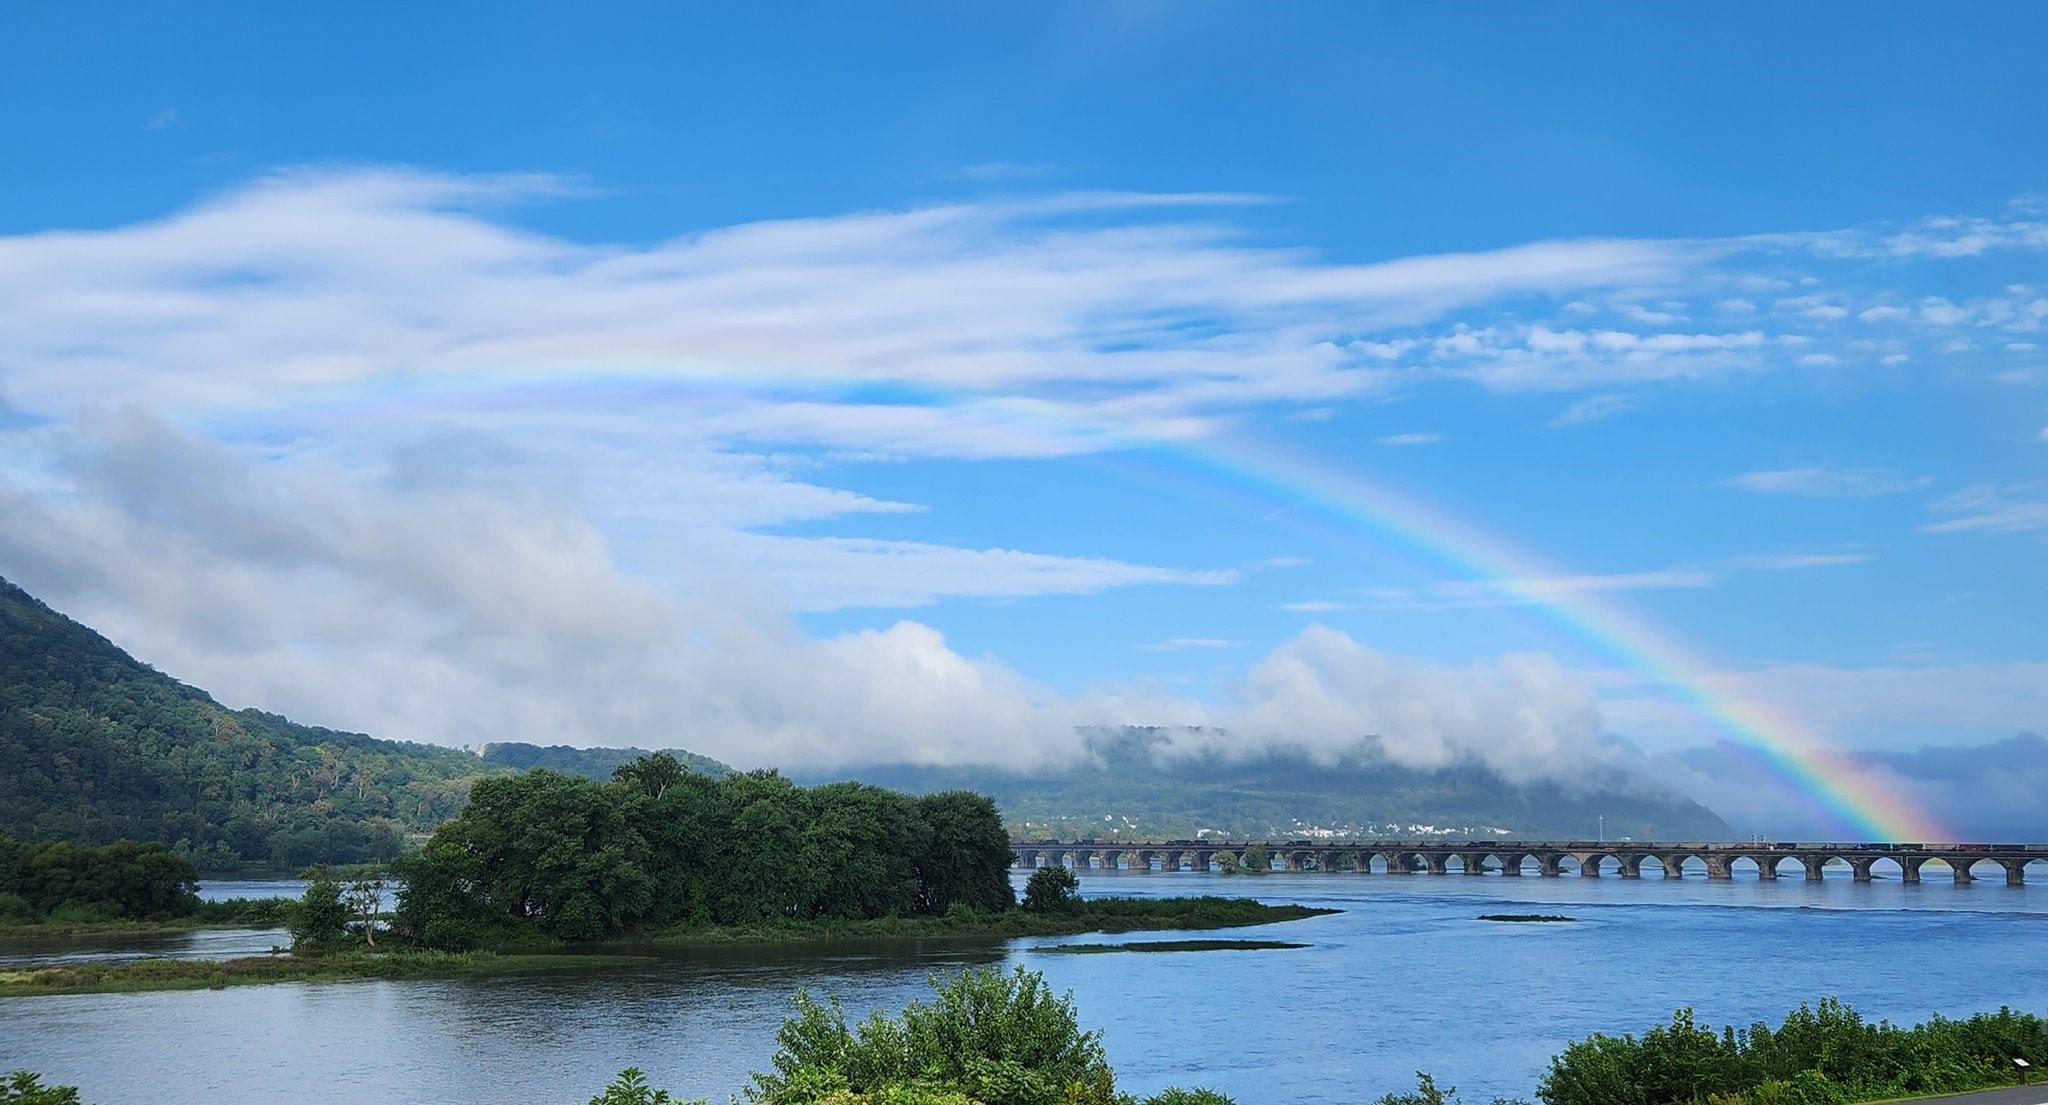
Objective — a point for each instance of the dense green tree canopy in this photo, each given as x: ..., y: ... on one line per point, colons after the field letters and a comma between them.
x: 126, y: 880
x: 659, y: 845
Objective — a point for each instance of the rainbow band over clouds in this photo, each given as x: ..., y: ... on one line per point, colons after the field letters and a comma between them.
x: 1830, y: 782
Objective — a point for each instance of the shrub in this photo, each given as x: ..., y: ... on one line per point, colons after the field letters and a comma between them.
x: 319, y: 921
x: 1051, y: 889
x: 986, y: 1037
x: 24, y: 1088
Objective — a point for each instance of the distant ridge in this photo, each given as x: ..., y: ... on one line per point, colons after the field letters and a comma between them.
x: 591, y: 763
x: 1127, y: 794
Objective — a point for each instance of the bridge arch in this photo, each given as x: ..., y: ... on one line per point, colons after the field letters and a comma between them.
x: 1477, y: 863
x: 1676, y: 864
x: 1591, y: 863
x: 1770, y: 865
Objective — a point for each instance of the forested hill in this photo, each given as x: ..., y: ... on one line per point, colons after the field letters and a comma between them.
x: 590, y: 763
x: 96, y: 746
x: 1128, y: 795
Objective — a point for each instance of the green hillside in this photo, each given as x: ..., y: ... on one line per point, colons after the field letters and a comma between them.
x: 96, y: 746
x: 590, y: 763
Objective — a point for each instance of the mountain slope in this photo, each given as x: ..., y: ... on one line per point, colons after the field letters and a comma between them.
x: 97, y: 746
x: 1128, y: 795
x: 591, y: 763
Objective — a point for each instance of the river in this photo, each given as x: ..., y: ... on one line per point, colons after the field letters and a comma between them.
x: 1405, y: 979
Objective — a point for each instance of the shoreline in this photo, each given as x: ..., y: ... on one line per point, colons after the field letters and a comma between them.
x: 1194, y: 914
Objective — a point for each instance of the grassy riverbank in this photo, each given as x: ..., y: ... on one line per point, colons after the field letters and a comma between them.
x: 205, y: 974
x: 1089, y: 915
x: 1097, y: 915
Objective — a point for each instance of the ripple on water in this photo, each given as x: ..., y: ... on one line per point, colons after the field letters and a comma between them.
x: 1405, y: 979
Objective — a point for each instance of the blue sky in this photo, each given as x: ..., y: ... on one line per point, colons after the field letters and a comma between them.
x: 823, y: 382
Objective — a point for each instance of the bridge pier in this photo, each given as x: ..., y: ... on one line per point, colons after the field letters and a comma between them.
x: 1407, y: 857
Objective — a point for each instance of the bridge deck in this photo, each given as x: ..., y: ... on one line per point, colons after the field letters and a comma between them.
x: 1508, y: 857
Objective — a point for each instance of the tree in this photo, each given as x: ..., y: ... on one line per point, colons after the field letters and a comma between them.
x: 1000, y: 1039
x: 631, y: 1088
x: 651, y: 774
x: 365, y: 899
x: 25, y: 1088
x: 968, y: 858
x: 1051, y: 889
x: 319, y: 920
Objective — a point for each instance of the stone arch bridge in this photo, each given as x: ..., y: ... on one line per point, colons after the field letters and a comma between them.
x: 1716, y: 860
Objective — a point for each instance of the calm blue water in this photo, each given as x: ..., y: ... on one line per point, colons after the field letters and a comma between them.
x: 1405, y: 979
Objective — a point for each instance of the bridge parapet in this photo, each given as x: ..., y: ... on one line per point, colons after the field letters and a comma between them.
x: 1404, y: 856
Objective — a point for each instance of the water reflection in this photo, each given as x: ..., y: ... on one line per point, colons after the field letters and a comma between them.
x: 1405, y: 979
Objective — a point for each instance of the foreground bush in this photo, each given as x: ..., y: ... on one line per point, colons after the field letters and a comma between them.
x: 1819, y: 1056
x: 987, y: 1038
x: 24, y: 1088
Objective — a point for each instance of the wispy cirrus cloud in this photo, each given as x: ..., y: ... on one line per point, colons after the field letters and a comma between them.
x: 1989, y: 508
x: 1593, y: 409
x: 1541, y: 590
x: 1182, y: 644
x: 1828, y: 483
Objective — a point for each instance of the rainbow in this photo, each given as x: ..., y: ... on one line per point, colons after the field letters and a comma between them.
x: 1830, y: 783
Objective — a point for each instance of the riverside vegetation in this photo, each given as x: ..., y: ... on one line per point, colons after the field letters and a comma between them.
x: 541, y: 862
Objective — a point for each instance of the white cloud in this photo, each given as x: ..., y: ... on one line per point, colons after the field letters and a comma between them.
x: 1314, y: 606
x: 1986, y: 508
x: 1530, y: 590
x: 1179, y: 644
x: 1593, y: 409
x: 1813, y: 307
x: 1323, y: 693
x: 1885, y: 314
x: 1828, y: 483
x: 1820, y: 360
x: 1785, y: 562
x: 165, y: 119
x: 1410, y: 439
x: 1092, y: 325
